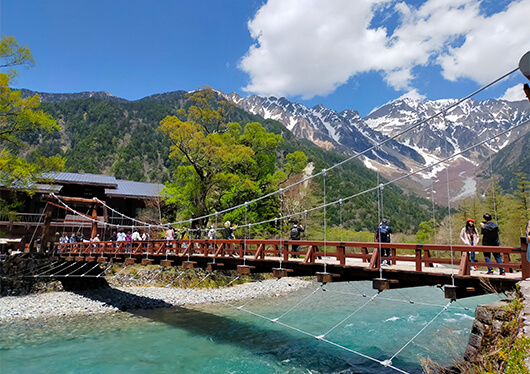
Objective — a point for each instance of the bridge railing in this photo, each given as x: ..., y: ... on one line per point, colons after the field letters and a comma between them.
x: 310, y: 252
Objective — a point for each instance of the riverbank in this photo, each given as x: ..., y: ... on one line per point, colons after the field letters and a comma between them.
x: 114, y: 299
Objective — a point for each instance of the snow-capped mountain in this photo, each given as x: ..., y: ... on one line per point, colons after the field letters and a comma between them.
x: 463, y: 126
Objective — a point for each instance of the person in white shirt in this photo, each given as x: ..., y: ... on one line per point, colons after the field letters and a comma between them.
x: 469, y: 236
x: 136, y: 236
x: 121, y: 236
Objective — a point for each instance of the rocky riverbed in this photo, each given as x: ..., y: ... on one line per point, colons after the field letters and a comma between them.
x: 114, y: 299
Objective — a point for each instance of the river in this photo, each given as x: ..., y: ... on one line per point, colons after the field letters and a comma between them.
x: 363, y: 327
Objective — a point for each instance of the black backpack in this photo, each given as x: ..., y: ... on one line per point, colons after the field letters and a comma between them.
x: 295, y: 234
x: 491, y: 232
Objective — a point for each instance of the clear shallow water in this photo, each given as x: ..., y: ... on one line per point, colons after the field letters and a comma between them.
x: 219, y: 339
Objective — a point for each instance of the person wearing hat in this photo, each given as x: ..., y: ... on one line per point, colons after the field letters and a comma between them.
x: 229, y: 231
x: 382, y: 235
x: 469, y: 236
x: 490, y: 232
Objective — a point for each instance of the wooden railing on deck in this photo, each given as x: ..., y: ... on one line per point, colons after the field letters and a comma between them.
x: 514, y: 258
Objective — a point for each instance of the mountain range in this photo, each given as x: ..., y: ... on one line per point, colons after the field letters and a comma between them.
x: 462, y: 127
x: 381, y: 140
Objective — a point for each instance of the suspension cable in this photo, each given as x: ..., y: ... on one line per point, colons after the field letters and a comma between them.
x: 374, y: 147
x: 300, y: 302
x: 445, y: 110
x: 419, y: 332
x: 449, y: 207
x: 320, y: 337
x: 38, y: 224
x: 316, y: 337
x: 324, y: 172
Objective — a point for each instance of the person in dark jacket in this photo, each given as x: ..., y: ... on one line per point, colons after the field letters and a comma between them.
x: 490, y: 232
x: 382, y: 235
x: 296, y: 230
x: 197, y: 232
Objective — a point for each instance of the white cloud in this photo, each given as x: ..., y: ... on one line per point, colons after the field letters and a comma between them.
x: 492, y: 47
x: 310, y: 47
x: 514, y: 93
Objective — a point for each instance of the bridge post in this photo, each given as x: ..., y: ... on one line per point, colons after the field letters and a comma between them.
x: 166, y: 263
x: 244, y: 269
x: 285, y: 250
x: 464, y: 264
x: 375, y: 260
x: 188, y: 264
x: 381, y: 284
x: 281, y: 272
x: 326, y: 277
x: 211, y: 266
x: 341, y: 254
x: 419, y: 248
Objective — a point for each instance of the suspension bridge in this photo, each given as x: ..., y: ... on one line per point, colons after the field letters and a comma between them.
x: 412, y: 265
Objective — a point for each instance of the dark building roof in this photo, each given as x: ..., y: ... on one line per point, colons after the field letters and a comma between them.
x: 113, y: 187
x: 135, y: 189
x: 82, y: 178
x: 46, y: 188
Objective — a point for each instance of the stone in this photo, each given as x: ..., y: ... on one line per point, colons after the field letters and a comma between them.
x: 497, y: 325
x: 471, y: 353
x: 475, y: 340
x: 478, y: 328
x: 484, y: 314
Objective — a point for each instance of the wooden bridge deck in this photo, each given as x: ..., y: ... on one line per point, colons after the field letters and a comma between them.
x: 412, y: 264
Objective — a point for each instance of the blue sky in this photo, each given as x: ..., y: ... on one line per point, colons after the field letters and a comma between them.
x: 344, y: 54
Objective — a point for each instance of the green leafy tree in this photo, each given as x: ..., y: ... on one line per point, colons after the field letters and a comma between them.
x: 426, y: 232
x: 222, y: 164
x: 19, y: 117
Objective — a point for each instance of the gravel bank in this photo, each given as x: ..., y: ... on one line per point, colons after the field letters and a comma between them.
x: 126, y: 298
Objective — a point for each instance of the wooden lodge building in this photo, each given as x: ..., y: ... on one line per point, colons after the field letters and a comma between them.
x: 137, y: 200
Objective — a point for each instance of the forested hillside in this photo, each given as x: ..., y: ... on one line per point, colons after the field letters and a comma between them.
x: 120, y: 138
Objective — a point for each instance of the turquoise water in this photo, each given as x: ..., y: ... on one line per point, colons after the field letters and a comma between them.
x: 220, y: 339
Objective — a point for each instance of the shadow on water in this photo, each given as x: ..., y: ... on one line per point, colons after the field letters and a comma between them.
x: 277, y: 343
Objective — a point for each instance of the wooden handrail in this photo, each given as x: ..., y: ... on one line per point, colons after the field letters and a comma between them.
x: 421, y: 254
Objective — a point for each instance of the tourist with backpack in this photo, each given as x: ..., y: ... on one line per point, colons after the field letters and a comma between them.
x: 296, y: 230
x: 490, y: 232
x: 382, y: 235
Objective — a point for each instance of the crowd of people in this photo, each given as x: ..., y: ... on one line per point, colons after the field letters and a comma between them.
x: 490, y: 237
x: 469, y: 235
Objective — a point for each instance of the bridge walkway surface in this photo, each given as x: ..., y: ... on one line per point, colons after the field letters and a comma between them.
x: 412, y: 265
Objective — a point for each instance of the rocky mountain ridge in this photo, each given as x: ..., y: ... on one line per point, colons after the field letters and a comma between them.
x: 401, y: 151
x: 463, y: 126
